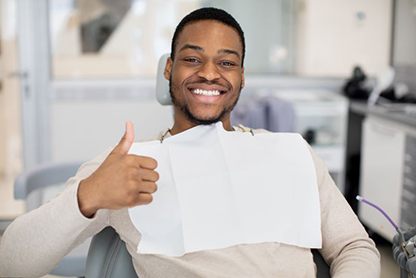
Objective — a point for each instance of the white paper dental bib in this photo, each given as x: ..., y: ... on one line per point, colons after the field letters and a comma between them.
x: 220, y: 188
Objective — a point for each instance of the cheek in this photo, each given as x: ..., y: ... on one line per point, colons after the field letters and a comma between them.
x: 181, y: 74
x: 235, y: 81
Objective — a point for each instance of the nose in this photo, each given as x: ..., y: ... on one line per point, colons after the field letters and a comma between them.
x: 209, y: 71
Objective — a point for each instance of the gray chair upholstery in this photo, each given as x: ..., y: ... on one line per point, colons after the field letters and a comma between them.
x: 108, y: 257
x: 162, y: 85
x: 30, y: 187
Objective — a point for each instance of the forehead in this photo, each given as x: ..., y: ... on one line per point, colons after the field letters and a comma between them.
x: 209, y: 34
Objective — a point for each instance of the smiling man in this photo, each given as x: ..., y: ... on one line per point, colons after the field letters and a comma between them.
x: 205, y: 71
x: 206, y: 74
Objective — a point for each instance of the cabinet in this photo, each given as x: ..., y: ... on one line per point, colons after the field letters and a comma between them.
x: 324, y: 114
x: 388, y: 164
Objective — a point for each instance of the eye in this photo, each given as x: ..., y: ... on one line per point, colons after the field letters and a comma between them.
x: 227, y: 64
x: 191, y: 60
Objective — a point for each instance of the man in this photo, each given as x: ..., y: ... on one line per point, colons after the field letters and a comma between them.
x: 206, y: 75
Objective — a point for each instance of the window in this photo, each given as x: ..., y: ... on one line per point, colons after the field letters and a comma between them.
x: 124, y: 39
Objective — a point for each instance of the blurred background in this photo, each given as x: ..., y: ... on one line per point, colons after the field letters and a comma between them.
x: 73, y: 71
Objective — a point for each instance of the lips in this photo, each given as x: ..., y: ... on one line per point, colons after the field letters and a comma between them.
x: 207, y: 90
x: 207, y: 96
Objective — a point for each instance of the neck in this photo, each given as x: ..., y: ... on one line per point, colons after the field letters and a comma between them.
x: 181, y: 125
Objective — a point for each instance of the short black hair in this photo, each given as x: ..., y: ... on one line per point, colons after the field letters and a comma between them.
x: 208, y: 13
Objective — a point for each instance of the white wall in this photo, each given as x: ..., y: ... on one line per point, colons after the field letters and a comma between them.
x: 405, y: 33
x: 82, y: 129
x: 333, y: 36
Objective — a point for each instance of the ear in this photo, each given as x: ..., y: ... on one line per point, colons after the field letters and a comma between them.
x: 168, y: 68
x: 243, y: 81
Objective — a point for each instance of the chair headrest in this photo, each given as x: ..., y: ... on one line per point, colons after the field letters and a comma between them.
x: 162, y: 85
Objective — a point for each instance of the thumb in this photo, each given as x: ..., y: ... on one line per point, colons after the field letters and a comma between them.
x: 127, y: 140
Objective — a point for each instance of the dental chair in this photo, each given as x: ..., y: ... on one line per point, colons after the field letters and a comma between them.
x: 108, y: 256
x: 38, y: 186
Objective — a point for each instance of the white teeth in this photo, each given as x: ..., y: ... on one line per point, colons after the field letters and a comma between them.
x: 206, y: 92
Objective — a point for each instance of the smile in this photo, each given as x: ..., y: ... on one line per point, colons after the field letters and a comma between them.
x: 206, y: 92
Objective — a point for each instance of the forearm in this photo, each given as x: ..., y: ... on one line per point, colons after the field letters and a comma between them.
x: 358, y: 259
x: 35, y: 242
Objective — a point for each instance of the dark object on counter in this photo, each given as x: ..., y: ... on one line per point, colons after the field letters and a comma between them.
x: 310, y: 136
x: 409, y: 98
x: 355, y: 87
x: 390, y: 94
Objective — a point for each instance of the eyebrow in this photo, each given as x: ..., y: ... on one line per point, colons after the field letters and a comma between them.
x: 191, y: 46
x: 229, y: 51
x: 200, y: 49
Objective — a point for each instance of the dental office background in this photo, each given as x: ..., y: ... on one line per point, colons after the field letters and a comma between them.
x: 73, y: 71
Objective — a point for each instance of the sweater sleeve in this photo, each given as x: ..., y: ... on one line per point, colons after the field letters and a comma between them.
x: 34, y: 243
x: 346, y: 246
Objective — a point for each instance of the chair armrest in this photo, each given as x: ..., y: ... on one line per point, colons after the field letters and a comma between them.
x: 108, y: 257
x: 43, y: 176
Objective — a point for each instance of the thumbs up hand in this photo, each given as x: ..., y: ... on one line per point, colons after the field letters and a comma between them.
x: 122, y: 180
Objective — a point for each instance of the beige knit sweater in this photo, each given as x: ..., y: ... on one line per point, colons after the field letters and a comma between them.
x: 35, y: 242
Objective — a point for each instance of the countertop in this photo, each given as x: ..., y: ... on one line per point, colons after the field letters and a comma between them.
x: 393, y: 113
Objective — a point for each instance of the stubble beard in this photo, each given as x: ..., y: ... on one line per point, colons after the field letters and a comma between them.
x: 193, y: 118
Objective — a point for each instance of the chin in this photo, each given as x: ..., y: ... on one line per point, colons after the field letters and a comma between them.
x: 204, y: 119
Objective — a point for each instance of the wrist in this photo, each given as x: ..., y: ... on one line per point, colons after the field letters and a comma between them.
x: 87, y: 202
